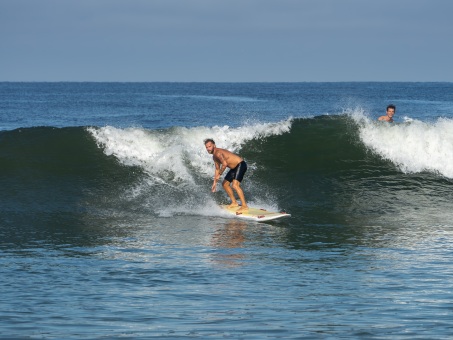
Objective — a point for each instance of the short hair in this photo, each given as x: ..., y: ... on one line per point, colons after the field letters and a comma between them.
x: 391, y: 106
x: 207, y: 140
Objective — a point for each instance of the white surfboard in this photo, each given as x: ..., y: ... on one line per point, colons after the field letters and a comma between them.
x: 255, y: 214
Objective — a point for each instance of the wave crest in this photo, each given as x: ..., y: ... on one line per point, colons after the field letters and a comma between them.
x: 413, y: 146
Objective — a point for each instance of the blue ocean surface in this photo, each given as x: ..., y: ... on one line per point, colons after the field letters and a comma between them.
x: 108, y: 226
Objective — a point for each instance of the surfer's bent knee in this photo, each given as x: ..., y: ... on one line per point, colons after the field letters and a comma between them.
x: 236, y: 184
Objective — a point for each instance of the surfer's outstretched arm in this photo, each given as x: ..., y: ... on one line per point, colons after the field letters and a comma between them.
x: 216, y: 176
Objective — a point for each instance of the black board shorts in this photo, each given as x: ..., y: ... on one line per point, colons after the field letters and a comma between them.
x: 237, y: 173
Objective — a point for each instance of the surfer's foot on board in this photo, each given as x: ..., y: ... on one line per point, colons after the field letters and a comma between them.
x: 243, y: 208
x: 234, y: 205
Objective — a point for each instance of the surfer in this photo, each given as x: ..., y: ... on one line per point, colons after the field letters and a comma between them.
x: 390, y: 113
x: 225, y: 159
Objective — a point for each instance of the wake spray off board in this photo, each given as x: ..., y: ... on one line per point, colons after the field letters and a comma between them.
x: 255, y: 214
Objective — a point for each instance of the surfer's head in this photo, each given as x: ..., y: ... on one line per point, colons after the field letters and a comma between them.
x: 210, y: 145
x: 391, y: 110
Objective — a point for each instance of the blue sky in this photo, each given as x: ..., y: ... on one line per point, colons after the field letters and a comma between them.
x: 229, y: 40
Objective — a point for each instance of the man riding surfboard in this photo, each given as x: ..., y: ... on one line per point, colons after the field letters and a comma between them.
x: 225, y: 159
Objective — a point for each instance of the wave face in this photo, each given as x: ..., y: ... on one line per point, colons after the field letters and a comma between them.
x: 326, y: 170
x: 56, y: 179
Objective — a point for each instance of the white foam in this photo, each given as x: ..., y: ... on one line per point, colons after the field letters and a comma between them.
x: 175, y: 150
x: 414, y: 146
x: 156, y: 153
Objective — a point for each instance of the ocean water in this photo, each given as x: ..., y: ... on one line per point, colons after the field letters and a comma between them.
x: 108, y: 227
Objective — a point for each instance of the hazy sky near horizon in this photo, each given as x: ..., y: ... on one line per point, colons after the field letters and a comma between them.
x: 234, y: 40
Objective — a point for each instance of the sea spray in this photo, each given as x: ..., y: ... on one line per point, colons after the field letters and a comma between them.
x: 169, y: 151
x: 413, y: 146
